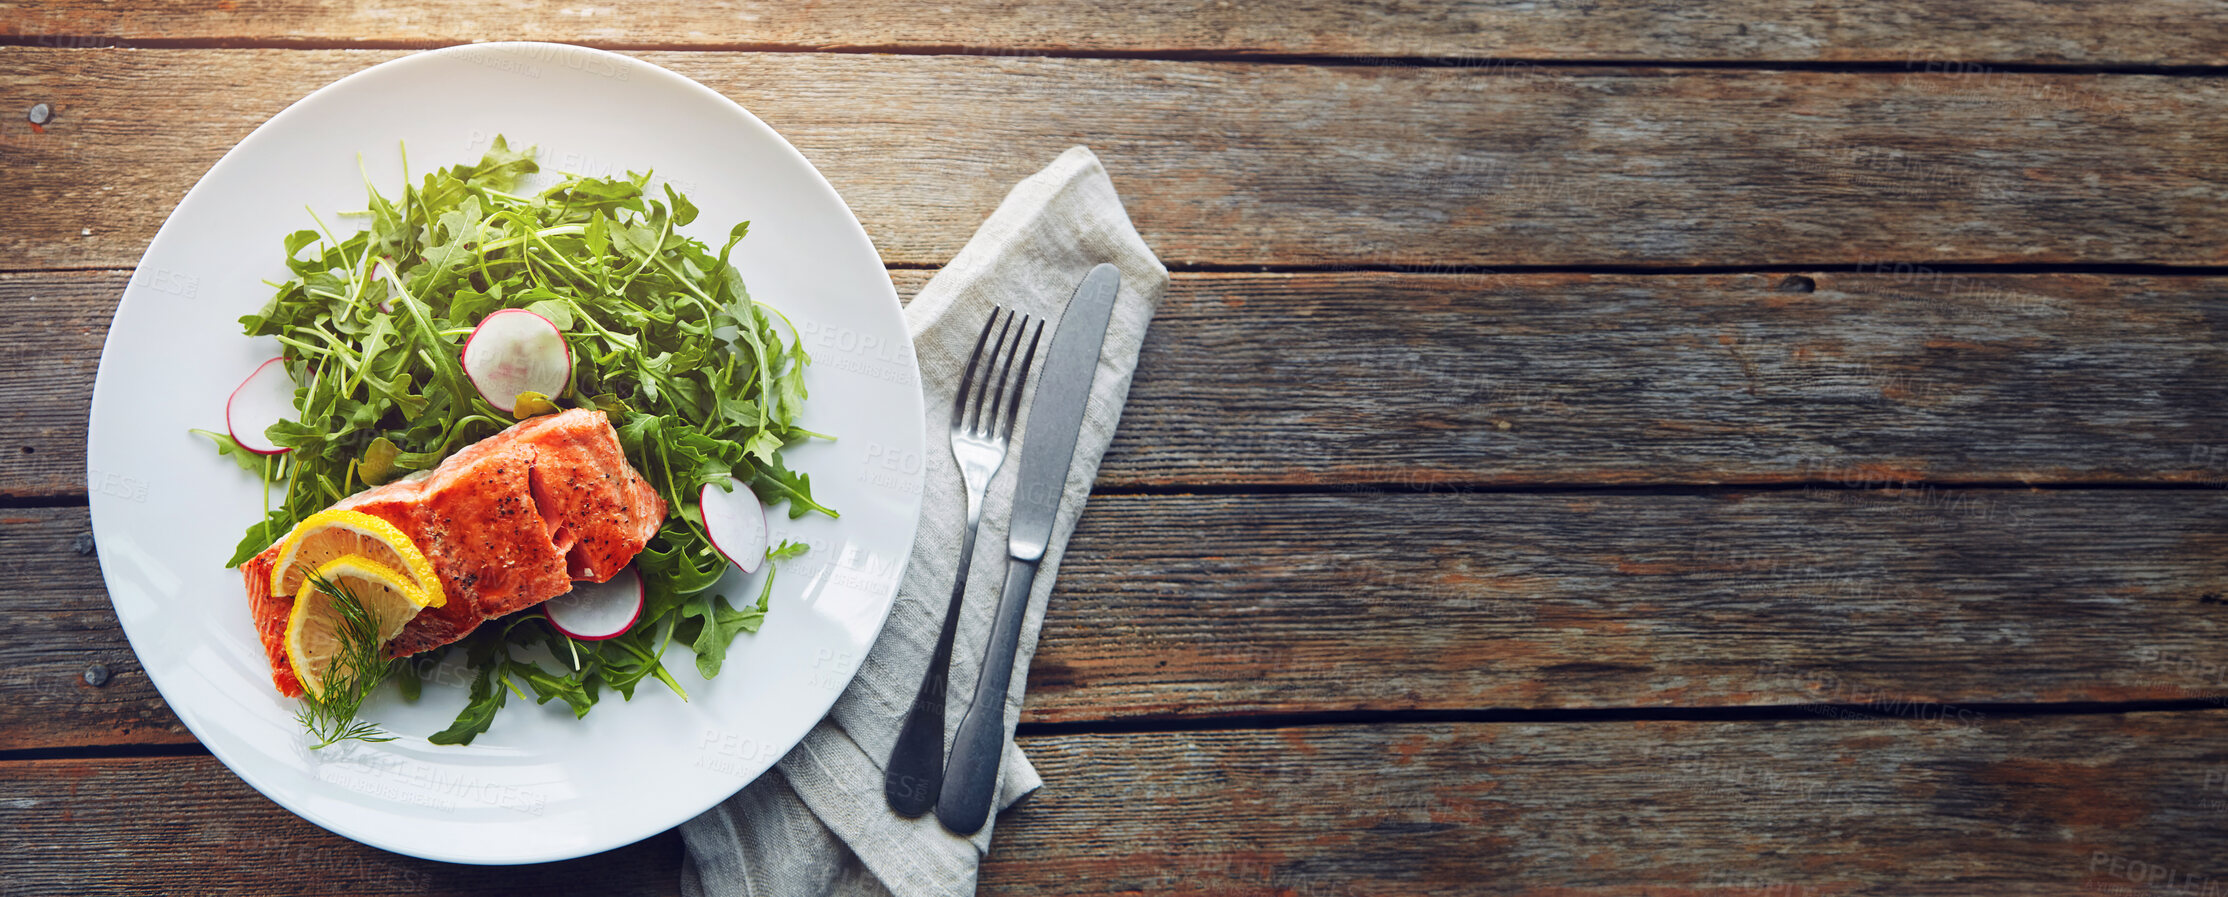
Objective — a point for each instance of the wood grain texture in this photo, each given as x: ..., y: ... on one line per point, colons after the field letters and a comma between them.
x: 1467, y: 380
x: 2031, y: 806
x: 1247, y: 164
x: 61, y: 626
x: 1484, y: 379
x: 53, y: 326
x: 1899, y: 602
x: 2064, y: 805
x: 2155, y: 32
x: 187, y: 825
x: 1382, y: 476
x: 1914, y: 600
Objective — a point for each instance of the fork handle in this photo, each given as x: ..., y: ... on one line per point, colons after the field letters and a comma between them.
x: 971, y: 778
x: 916, y: 770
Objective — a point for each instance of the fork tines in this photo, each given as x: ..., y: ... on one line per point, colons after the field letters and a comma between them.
x: 989, y: 412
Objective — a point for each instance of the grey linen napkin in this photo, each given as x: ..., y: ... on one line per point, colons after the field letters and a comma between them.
x: 817, y: 823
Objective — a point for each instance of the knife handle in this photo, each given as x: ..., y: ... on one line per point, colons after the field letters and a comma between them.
x: 971, y: 776
x: 916, y: 770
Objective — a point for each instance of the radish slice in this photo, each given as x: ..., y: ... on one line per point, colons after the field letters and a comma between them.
x: 736, y: 521
x: 594, y: 611
x: 264, y: 398
x: 514, y: 351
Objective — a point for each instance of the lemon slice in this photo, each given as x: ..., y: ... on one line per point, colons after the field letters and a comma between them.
x: 314, y: 631
x: 332, y: 534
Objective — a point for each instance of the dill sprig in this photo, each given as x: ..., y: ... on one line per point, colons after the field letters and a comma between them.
x: 353, y: 673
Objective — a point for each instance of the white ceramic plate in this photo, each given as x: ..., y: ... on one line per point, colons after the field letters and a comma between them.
x: 541, y: 785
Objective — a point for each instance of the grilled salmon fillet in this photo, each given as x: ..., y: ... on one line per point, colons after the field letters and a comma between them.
x: 509, y: 522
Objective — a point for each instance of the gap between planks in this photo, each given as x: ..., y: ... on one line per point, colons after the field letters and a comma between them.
x: 1161, y: 54
x: 1373, y: 719
x: 2137, y: 34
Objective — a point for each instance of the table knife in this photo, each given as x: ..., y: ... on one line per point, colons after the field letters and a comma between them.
x: 1047, y: 451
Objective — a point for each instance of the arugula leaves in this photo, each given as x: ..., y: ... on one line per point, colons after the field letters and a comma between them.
x: 701, y: 381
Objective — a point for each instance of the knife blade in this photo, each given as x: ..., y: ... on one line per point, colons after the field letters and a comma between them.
x: 1063, y: 391
x: 1056, y: 414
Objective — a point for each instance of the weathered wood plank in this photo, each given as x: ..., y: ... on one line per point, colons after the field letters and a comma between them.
x: 1483, y: 379
x: 1478, y: 379
x: 186, y: 825
x: 61, y: 638
x: 1218, y: 605
x: 2031, y: 806
x: 53, y: 326
x: 1914, y: 602
x: 2155, y: 32
x: 2036, y: 805
x: 1245, y: 164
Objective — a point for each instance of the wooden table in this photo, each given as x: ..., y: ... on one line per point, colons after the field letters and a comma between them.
x: 1587, y: 448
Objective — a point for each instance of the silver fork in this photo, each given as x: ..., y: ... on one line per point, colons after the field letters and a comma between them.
x: 982, y: 425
